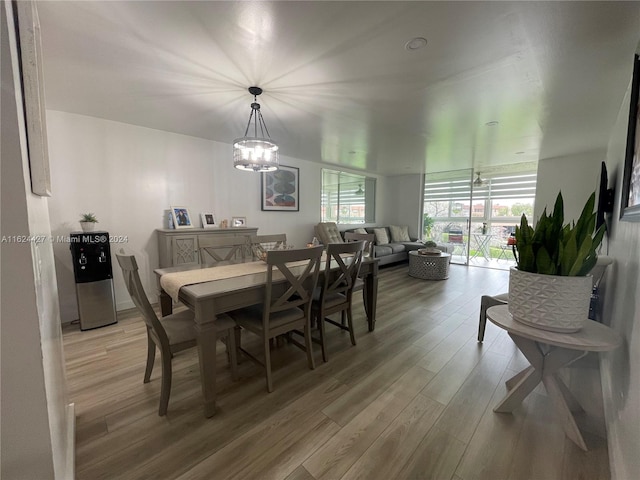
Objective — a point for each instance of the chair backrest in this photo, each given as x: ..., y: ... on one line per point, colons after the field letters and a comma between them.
x: 328, y: 233
x: 261, y: 244
x: 298, y: 287
x: 220, y: 248
x: 348, y: 257
x: 132, y: 281
x: 368, y: 238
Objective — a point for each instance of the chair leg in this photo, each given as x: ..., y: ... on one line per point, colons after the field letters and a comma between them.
x: 151, y: 357
x: 308, y: 344
x: 343, y: 319
x: 486, y: 302
x: 350, y: 320
x: 365, y: 301
x: 267, y: 364
x: 323, y: 344
x: 237, y: 332
x: 232, y: 350
x: 483, y: 320
x: 165, y: 390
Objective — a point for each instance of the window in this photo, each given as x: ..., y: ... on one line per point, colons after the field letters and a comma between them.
x: 506, y: 197
x: 447, y: 203
x: 347, y: 198
x: 450, y: 199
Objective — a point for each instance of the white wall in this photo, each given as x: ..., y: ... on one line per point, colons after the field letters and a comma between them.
x: 577, y: 176
x: 621, y: 368
x: 36, y: 426
x: 129, y: 176
x: 405, y: 202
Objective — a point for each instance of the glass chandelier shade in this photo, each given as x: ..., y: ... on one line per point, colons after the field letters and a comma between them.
x: 256, y: 153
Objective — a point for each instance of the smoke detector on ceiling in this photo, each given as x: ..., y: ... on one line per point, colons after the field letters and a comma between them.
x: 415, y: 43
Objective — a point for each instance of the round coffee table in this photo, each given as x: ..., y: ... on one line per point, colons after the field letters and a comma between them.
x: 429, y: 267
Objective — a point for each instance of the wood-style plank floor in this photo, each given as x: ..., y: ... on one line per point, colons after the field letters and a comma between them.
x: 412, y: 400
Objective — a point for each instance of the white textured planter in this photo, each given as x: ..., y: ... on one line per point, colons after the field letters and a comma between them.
x: 549, y: 302
x: 88, y: 226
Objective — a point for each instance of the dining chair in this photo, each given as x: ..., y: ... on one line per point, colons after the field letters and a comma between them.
x: 287, y: 303
x: 261, y: 244
x: 370, y: 240
x: 217, y: 249
x: 172, y: 333
x: 505, y: 250
x: 488, y: 301
x: 336, y: 295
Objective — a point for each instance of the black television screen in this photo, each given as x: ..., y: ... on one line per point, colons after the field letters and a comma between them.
x: 605, y: 197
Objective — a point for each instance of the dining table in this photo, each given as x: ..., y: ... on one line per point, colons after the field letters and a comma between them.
x: 213, y: 290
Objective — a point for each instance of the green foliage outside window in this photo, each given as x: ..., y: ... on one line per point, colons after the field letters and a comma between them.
x: 517, y: 209
x: 427, y: 225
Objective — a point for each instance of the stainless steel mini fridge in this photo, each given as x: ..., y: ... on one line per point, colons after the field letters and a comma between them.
x: 91, y: 255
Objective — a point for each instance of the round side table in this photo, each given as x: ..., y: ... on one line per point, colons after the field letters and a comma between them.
x: 548, y: 352
x: 429, y: 267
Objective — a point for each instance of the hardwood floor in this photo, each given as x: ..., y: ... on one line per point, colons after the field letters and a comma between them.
x: 412, y: 400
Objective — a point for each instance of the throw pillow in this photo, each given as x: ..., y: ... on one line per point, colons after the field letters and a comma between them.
x: 399, y: 234
x: 381, y: 236
x: 360, y: 231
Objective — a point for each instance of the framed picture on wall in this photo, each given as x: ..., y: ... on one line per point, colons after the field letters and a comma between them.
x: 630, y: 201
x: 208, y: 220
x: 34, y: 105
x: 181, y: 217
x: 281, y: 190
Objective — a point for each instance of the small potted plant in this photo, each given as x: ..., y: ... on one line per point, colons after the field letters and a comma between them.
x: 550, y: 287
x: 88, y: 222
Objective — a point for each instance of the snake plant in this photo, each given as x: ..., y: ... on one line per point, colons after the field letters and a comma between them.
x: 556, y: 249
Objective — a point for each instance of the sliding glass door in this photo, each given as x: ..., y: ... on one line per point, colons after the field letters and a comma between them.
x: 446, y: 212
x: 474, y: 219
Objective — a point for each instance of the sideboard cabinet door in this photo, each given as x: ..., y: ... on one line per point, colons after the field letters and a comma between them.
x: 184, y: 250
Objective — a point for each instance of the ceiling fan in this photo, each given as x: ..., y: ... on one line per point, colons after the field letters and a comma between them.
x: 479, y: 182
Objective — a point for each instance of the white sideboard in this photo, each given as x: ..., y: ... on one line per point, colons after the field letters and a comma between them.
x: 180, y: 246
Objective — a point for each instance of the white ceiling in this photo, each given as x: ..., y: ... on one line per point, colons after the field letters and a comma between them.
x: 339, y: 86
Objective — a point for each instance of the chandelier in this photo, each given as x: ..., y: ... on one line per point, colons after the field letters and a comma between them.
x: 256, y: 153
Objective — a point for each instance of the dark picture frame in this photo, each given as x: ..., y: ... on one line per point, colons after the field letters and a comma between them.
x: 208, y: 220
x: 630, y: 201
x: 281, y: 190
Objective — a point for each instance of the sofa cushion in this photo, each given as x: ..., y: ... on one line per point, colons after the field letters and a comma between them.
x: 382, y: 238
x: 382, y: 250
x: 361, y: 231
x: 396, y: 247
x: 328, y: 233
x: 399, y: 234
x: 409, y: 246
